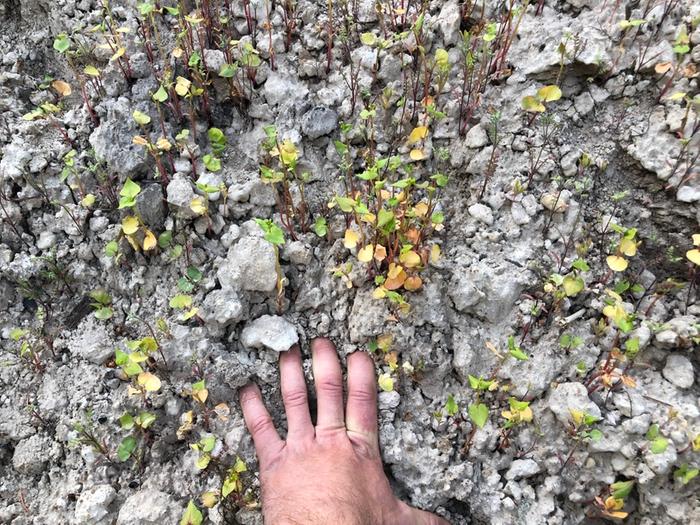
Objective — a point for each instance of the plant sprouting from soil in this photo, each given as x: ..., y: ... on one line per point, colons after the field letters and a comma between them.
x: 275, y: 236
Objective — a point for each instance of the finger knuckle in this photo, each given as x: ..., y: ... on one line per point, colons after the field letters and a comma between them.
x: 330, y: 386
x: 260, y: 425
x: 295, y: 397
x: 363, y: 394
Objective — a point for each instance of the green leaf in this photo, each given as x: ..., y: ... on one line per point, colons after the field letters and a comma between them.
x: 515, y: 350
x: 653, y: 432
x: 141, y: 118
x: 632, y: 347
x: 192, y: 515
x: 128, y: 194
x: 126, y: 448
x: 478, y: 383
x: 621, y: 489
x: 451, y: 406
x: 368, y: 39
x: 112, y: 249
x: 212, y: 163
x: 194, y: 274
x: 103, y: 313
x: 161, y: 95
x: 165, y: 238
x: 345, y: 204
x: 184, y: 285
x: 181, y: 301
x: 195, y: 59
x: 126, y: 421
x: 581, y: 265
x: 572, y: 285
x: 228, y: 70
x: 479, y: 414
x: 595, y: 435
x: 145, y: 419
x: 685, y: 474
x: 659, y: 445
x: 321, y: 227
x: 272, y: 233
x: 61, y: 43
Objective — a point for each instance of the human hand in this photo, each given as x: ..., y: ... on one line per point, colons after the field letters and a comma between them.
x: 331, y: 472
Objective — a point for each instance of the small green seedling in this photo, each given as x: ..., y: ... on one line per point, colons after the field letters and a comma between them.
x: 192, y: 515
x: 685, y: 474
x: 570, y: 342
x: 275, y: 236
x: 128, y: 193
x: 581, y: 424
x: 184, y: 302
x: 205, y: 446
x: 658, y: 444
x: 479, y: 414
x: 519, y: 413
x: 515, y: 351
x: 451, y: 406
x: 102, y: 302
x: 191, y: 278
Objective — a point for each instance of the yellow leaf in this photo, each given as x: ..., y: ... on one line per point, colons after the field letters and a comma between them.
x: 549, y: 93
x: 532, y: 105
x: 149, y: 382
x: 379, y: 253
x: 369, y: 218
x: 662, y: 67
x: 386, y: 382
x: 222, y: 411
x: 394, y: 271
x: 410, y: 259
x: 200, y: 395
x: 413, y: 283
x: 120, y: 52
x: 418, y: 134
x: 88, y: 200
x: 417, y: 154
x: 177, y: 52
x: 185, y: 424
x: 526, y: 415
x: 628, y: 247
x: 351, y: 239
x: 288, y: 153
x: 198, y: 206
x: 696, y: 239
x: 616, y: 263
x: 614, y: 503
x: 91, y: 71
x: 434, y: 253
x: 396, y: 282
x: 61, y: 87
x: 693, y: 256
x: 182, y: 86
x: 139, y: 140
x: 421, y: 209
x: 379, y: 292
x: 365, y: 254
x: 576, y: 416
x: 209, y: 499
x: 149, y: 241
x: 130, y: 225
x: 163, y: 144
